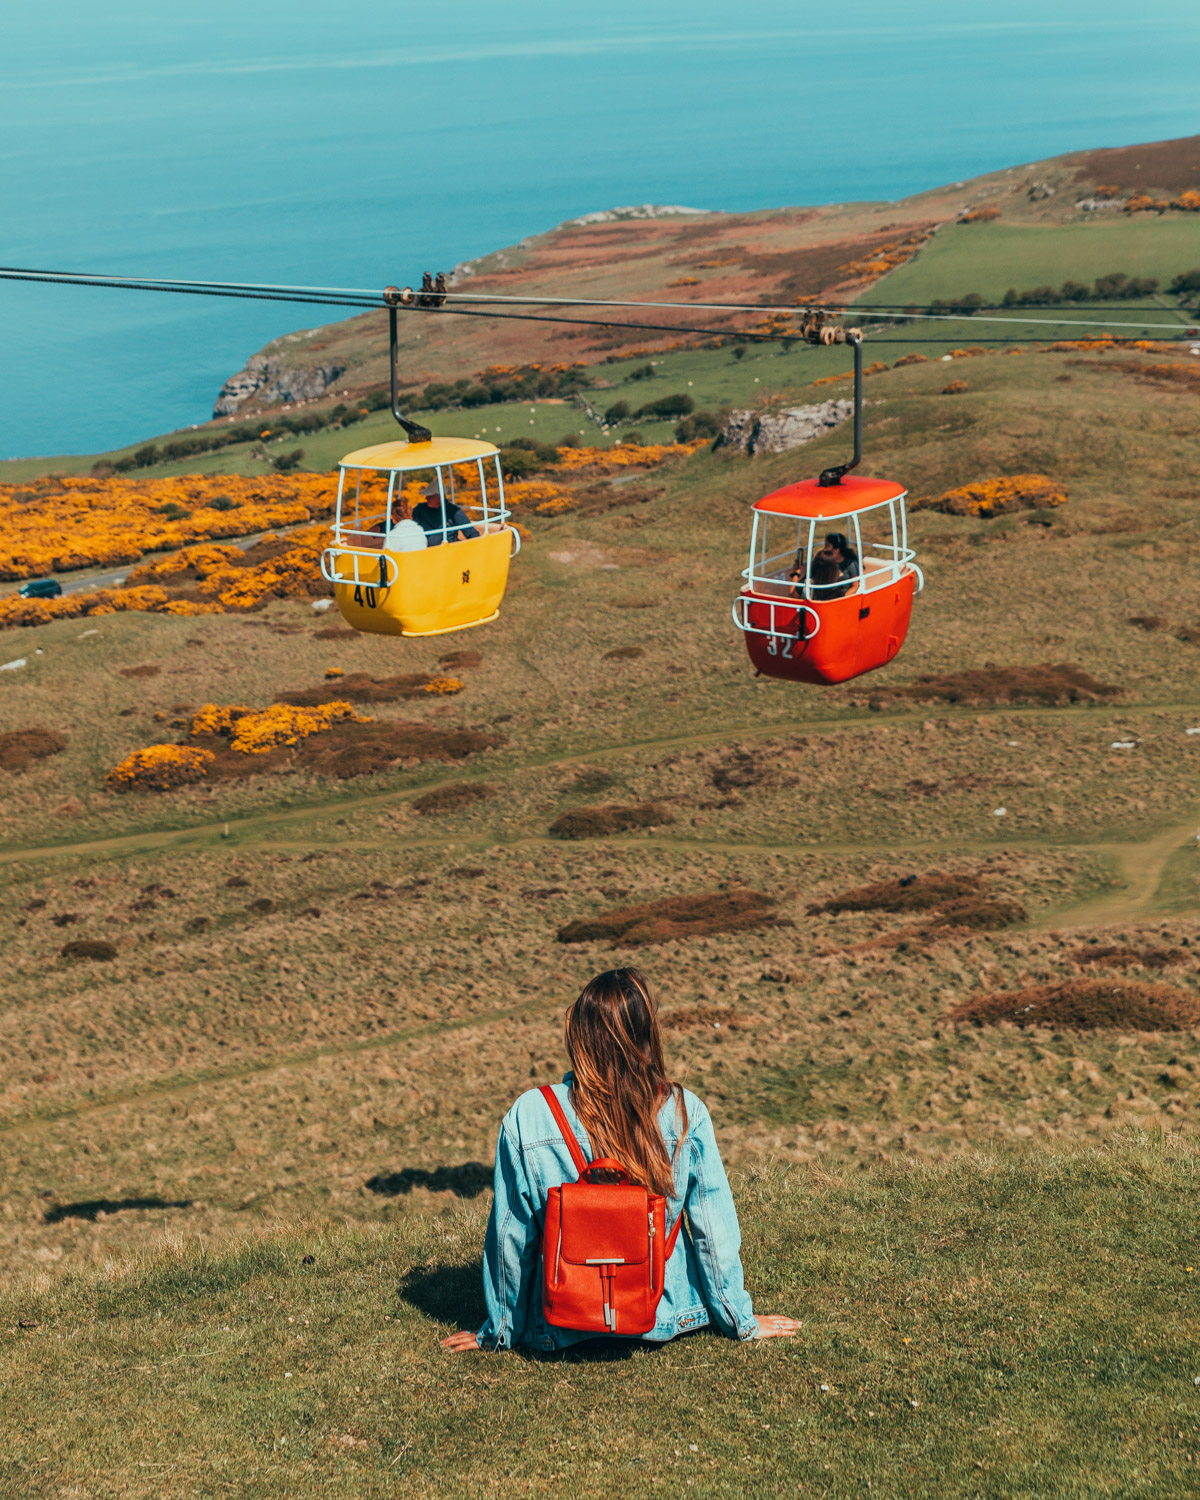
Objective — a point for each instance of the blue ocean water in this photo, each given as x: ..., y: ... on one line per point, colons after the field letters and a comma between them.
x: 357, y: 146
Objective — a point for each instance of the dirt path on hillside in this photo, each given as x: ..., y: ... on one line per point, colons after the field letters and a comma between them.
x: 256, y: 828
x: 1143, y: 866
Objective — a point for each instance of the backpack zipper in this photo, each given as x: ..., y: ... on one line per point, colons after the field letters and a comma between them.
x: 558, y: 1250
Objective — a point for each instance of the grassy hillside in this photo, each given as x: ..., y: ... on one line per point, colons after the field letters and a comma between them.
x: 715, y: 378
x: 301, y: 958
x: 1018, y: 1327
x: 990, y: 258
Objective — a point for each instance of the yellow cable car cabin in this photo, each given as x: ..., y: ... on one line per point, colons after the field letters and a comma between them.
x: 444, y: 570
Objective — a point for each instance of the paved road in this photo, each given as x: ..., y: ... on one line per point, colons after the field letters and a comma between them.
x: 85, y: 582
x: 95, y: 581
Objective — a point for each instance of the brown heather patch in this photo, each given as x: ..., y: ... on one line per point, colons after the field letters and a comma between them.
x: 147, y: 669
x: 905, y: 893
x: 90, y: 948
x: 445, y: 799
x: 1052, y: 684
x: 975, y: 916
x: 348, y: 750
x: 334, y: 633
x: 624, y: 653
x: 745, y: 768
x: 1171, y: 166
x: 592, y: 779
x: 1187, y: 376
x: 1085, y: 1005
x: 360, y: 687
x: 1148, y: 622
x: 1120, y: 958
x: 19, y: 748
x: 677, y: 917
x: 596, y: 822
x: 688, y: 1016
x: 461, y: 661
x: 359, y: 749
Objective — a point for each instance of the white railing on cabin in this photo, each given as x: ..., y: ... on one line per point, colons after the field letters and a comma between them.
x: 796, y: 619
x: 882, y: 565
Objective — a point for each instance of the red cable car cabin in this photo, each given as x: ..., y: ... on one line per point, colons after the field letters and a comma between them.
x: 809, y: 631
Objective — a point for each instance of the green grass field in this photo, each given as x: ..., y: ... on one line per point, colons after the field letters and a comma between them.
x: 1022, y: 1326
x: 303, y: 961
x: 990, y: 258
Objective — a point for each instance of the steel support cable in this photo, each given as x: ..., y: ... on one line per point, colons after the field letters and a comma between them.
x: 178, y: 283
x: 363, y: 297
x: 191, y: 291
x: 841, y: 309
x: 316, y: 298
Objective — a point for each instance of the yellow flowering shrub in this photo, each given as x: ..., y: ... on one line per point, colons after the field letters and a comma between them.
x: 218, y: 718
x: 160, y: 768
x: 255, y: 731
x: 531, y: 491
x: 622, y: 456
x: 188, y: 607
x: 202, y: 559
x: 17, y: 611
x: 997, y: 497
x: 444, y: 685
x: 54, y: 525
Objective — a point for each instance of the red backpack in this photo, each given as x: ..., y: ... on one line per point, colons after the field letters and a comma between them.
x: 605, y: 1247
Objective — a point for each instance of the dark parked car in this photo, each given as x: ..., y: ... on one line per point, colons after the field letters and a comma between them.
x: 40, y: 588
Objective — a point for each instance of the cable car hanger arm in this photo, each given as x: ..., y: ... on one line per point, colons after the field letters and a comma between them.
x: 413, y: 431
x: 831, y: 476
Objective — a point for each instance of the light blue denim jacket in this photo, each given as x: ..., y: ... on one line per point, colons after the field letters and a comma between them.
x: 704, y: 1282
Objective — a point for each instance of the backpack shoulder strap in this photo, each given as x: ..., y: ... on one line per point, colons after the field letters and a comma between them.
x: 673, y: 1236
x: 560, y: 1119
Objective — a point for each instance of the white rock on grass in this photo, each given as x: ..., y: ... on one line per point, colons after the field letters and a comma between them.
x: 11, y: 666
x: 320, y: 605
x: 775, y: 432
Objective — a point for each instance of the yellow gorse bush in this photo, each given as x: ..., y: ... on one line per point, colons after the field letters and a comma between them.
x: 255, y: 731
x: 622, y: 456
x: 231, y: 588
x: 160, y: 768
x: 444, y: 685
x: 55, y: 525
x: 995, y: 497
x: 218, y: 718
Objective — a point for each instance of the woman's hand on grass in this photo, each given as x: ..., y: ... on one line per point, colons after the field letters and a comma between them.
x: 462, y: 1342
x: 773, y: 1326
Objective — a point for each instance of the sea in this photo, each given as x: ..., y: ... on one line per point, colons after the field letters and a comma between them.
x: 331, y: 145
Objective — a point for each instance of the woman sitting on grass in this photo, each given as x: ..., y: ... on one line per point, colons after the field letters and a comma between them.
x: 619, y: 1103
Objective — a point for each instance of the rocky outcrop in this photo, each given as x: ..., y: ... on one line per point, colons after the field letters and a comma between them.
x: 269, y: 379
x: 635, y: 211
x: 774, y: 432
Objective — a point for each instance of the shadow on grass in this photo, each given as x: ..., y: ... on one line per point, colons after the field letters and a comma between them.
x: 92, y: 1209
x: 454, y: 1295
x: 468, y: 1180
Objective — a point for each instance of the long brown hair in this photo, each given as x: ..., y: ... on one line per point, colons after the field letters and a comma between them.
x: 615, y: 1047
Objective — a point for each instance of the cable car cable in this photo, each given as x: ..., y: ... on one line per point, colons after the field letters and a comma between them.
x: 248, y: 291
x: 361, y: 297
